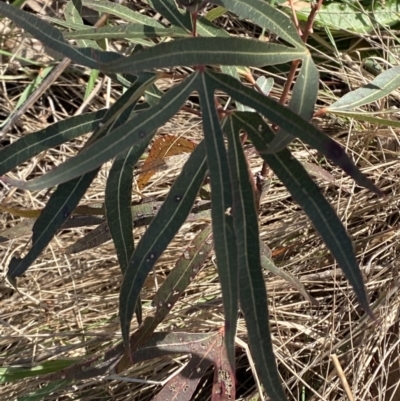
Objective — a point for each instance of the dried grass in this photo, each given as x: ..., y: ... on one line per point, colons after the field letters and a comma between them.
x: 67, y: 306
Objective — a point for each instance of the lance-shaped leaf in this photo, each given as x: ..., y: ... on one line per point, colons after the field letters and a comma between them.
x: 266, y: 16
x: 118, y: 202
x: 31, y: 145
x: 67, y: 196
x: 302, y: 101
x: 53, y: 38
x: 307, y: 194
x: 58, y: 209
x: 221, y: 204
x: 168, y: 9
x: 186, y: 268
x: 252, y: 293
x: 140, y: 127
x: 122, y: 12
x: 293, y: 124
x: 72, y: 15
x: 268, y: 264
x: 380, y: 87
x: 130, y: 31
x: 161, y: 231
x: 198, y: 50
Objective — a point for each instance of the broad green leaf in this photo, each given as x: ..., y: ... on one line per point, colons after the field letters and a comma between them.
x: 31, y: 145
x: 129, y: 31
x: 53, y: 38
x: 140, y: 127
x: 380, y: 87
x: 307, y: 194
x: 266, y: 16
x: 221, y: 205
x: 199, y: 50
x: 351, y: 16
x: 11, y: 374
x: 252, y: 292
x: 122, y: 12
x: 268, y: 264
x: 161, y: 231
x: 302, y: 102
x: 293, y: 124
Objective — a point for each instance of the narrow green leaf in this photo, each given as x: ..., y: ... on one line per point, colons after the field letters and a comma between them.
x: 293, y: 124
x: 53, y: 38
x: 58, y: 209
x: 302, y: 102
x: 141, y: 126
x: 369, y: 117
x: 266, y: 16
x: 221, y: 204
x: 211, y: 50
x: 118, y: 202
x: 72, y: 15
x: 253, y: 294
x: 307, y: 194
x: 161, y: 231
x: 380, y: 87
x: 11, y: 374
x: 186, y: 268
x: 129, y: 31
x: 122, y: 12
x: 168, y: 9
x: 31, y: 145
x: 268, y: 264
x: 67, y: 196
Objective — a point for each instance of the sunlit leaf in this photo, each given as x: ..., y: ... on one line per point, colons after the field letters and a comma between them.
x: 381, y: 86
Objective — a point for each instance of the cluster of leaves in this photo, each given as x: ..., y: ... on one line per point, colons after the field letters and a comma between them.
x: 123, y: 132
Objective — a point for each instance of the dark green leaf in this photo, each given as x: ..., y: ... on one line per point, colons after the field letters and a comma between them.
x: 122, y: 12
x: 266, y: 16
x: 53, y: 38
x: 253, y: 295
x: 30, y: 145
x: 58, y: 209
x: 293, y: 124
x: 306, y: 193
x: 221, y: 204
x: 136, y: 129
x: 162, y: 229
x: 302, y: 102
x: 199, y: 50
